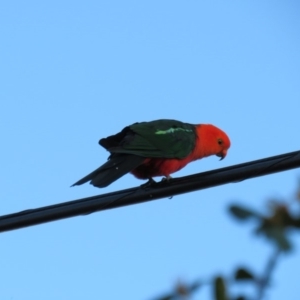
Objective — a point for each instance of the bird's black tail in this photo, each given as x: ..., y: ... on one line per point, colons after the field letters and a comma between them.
x: 117, y: 166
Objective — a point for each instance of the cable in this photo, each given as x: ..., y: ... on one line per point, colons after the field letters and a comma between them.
x: 151, y: 192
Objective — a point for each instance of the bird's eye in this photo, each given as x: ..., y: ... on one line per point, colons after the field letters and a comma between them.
x: 220, y: 141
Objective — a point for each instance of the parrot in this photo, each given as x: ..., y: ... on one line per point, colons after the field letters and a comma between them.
x: 156, y: 148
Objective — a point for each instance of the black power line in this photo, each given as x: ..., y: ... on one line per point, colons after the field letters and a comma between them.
x: 141, y: 194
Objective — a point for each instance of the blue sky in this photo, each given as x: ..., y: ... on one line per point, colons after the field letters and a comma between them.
x: 72, y: 72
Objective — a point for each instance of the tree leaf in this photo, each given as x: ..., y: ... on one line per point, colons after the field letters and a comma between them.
x: 242, y: 213
x: 220, y: 289
x: 240, y: 298
x: 278, y: 235
x: 243, y: 274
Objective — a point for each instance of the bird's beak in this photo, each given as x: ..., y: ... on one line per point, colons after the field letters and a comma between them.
x: 222, y: 154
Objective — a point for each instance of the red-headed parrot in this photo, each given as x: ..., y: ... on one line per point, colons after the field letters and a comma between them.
x: 156, y: 148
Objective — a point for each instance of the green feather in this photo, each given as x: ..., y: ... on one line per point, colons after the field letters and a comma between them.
x: 160, y: 138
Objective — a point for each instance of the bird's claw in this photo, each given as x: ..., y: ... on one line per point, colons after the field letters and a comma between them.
x: 166, y: 179
x: 150, y: 183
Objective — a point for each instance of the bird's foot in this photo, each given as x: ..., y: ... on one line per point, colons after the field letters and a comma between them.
x: 166, y: 179
x: 150, y: 183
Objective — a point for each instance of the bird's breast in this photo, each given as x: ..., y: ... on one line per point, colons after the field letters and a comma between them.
x: 153, y: 167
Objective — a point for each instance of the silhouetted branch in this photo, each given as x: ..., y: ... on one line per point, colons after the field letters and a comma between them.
x: 265, y: 281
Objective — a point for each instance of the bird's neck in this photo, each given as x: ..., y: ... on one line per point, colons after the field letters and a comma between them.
x: 205, y: 142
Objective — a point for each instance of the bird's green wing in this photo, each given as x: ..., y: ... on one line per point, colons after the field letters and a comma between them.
x: 160, y: 138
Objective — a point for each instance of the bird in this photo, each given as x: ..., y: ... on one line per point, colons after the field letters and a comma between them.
x: 156, y: 148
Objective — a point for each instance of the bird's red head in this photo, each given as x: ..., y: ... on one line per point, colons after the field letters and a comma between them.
x: 211, y: 141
